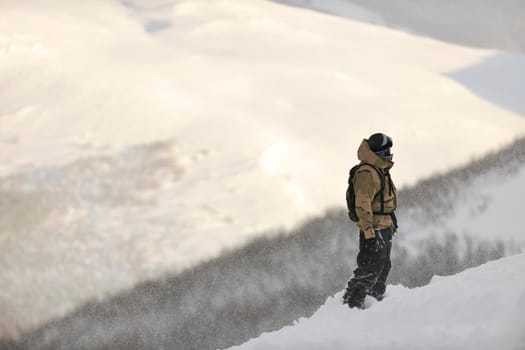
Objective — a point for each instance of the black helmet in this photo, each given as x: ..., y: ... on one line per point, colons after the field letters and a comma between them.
x: 380, y: 144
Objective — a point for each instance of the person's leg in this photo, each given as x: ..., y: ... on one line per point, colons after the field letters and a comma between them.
x: 378, y: 289
x: 369, y: 267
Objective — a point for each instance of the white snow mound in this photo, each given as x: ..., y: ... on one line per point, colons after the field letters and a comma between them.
x: 480, y: 308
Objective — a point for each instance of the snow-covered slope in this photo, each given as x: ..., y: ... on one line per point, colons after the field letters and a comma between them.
x: 267, y: 284
x: 481, y: 308
x: 137, y: 140
x: 253, y: 112
x: 486, y: 23
x: 479, y: 201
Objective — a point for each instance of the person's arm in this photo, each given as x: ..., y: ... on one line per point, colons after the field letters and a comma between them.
x: 365, y: 189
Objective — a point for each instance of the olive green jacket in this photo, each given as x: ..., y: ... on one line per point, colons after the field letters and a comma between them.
x: 366, y: 184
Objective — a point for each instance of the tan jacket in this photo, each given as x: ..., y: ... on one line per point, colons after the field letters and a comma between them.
x: 366, y: 184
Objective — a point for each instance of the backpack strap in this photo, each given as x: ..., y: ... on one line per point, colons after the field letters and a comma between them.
x: 381, y: 193
x: 382, y: 187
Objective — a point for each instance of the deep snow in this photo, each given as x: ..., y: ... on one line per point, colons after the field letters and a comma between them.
x: 480, y: 308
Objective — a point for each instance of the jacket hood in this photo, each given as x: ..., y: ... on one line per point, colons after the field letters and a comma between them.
x: 365, y: 154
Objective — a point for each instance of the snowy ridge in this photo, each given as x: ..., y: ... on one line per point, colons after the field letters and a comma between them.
x: 270, y: 282
x: 480, y: 308
x: 227, y: 119
x: 489, y: 23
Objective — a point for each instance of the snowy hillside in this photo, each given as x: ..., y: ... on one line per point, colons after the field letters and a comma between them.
x: 478, y: 201
x: 138, y: 138
x: 496, y: 24
x: 270, y: 282
x: 481, y: 308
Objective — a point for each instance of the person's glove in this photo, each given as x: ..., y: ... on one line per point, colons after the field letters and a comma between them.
x: 376, y: 244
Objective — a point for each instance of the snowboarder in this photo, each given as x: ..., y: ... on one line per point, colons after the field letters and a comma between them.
x: 372, y: 200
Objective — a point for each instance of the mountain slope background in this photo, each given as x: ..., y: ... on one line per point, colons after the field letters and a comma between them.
x: 274, y: 281
x: 490, y: 24
x: 155, y: 136
x: 139, y: 139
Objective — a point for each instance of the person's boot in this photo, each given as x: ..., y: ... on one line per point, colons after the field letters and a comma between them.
x: 354, y: 298
x: 376, y: 295
x: 378, y: 291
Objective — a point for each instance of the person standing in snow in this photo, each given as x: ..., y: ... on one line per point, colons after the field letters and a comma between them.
x: 375, y: 202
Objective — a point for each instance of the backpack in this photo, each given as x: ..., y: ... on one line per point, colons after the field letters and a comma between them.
x: 350, y: 194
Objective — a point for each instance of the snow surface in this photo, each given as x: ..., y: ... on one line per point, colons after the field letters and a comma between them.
x: 480, y: 308
x: 487, y: 23
x: 342, y: 8
x: 483, y: 208
x: 140, y: 137
x: 489, y: 209
x: 279, y: 107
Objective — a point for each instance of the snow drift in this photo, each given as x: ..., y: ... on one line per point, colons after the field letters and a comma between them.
x: 480, y: 308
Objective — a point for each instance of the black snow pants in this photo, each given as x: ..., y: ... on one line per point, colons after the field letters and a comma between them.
x: 372, y: 270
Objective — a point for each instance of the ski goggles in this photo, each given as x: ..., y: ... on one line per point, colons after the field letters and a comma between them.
x: 385, y: 154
